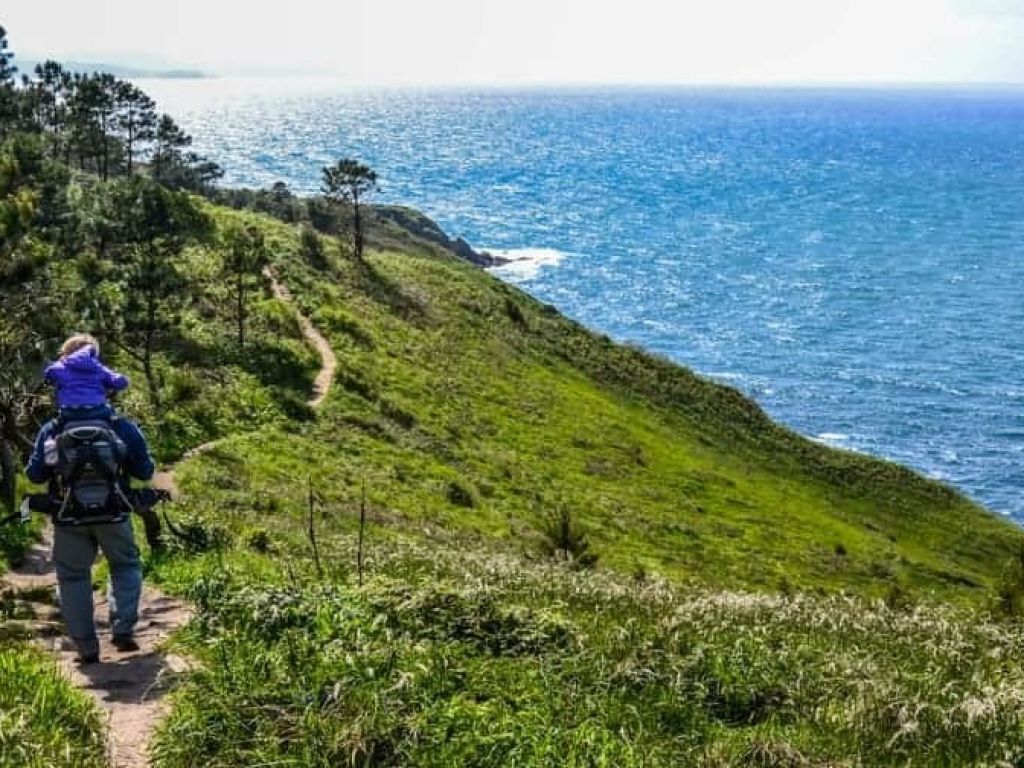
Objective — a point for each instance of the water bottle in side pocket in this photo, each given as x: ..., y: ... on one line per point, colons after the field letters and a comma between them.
x: 50, y: 452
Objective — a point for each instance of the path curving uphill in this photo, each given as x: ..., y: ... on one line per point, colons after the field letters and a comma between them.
x: 321, y: 384
x: 328, y: 360
x: 130, y: 687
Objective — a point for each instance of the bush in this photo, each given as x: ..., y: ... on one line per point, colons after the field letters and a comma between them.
x: 564, y: 538
x: 1010, y: 594
x: 193, y: 535
x: 462, y: 493
x: 312, y: 248
x: 258, y: 540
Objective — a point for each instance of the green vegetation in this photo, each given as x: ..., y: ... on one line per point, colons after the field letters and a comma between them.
x: 504, y: 450
x: 575, y: 553
x: 44, y: 722
x: 456, y: 655
x: 469, y: 406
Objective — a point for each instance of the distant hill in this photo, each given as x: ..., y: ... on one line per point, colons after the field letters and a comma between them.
x: 25, y: 66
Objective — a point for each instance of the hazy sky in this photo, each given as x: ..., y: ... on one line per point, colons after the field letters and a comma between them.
x: 541, y: 40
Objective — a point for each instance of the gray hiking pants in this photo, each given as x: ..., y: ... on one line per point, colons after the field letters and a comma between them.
x: 74, y: 552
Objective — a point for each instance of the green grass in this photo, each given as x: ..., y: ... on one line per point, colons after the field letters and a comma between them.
x: 460, y: 655
x: 757, y: 599
x: 467, y: 405
x: 44, y: 722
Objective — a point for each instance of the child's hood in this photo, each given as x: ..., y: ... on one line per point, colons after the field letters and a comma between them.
x: 84, y: 359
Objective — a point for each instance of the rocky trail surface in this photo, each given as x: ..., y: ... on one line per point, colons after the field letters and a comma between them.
x: 128, y: 687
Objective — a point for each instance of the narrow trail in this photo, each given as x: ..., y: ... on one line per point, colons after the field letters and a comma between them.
x: 164, y: 478
x: 328, y: 361
x: 130, y: 687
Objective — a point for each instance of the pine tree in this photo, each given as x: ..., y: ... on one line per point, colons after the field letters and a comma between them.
x: 168, y: 154
x: 156, y: 225
x: 53, y: 85
x: 351, y: 183
x: 245, y: 256
x: 8, y: 93
x: 135, y: 120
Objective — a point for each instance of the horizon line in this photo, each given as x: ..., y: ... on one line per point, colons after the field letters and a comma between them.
x: 158, y: 70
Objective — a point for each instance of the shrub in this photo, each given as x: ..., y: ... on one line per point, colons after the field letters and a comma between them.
x: 564, y: 538
x: 312, y: 248
x: 1011, y: 586
x: 515, y: 313
x: 462, y: 493
x: 258, y: 540
x: 192, y: 534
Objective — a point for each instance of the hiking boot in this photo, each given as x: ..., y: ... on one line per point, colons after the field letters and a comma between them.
x: 84, y: 659
x: 124, y: 643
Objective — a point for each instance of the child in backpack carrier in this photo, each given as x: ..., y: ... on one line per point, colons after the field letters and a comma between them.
x: 81, y: 381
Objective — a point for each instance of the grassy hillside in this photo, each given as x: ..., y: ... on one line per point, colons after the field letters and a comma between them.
x: 467, y: 406
x: 461, y: 655
x: 732, y: 593
x: 479, y: 420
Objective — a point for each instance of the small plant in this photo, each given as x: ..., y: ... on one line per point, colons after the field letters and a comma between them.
x: 258, y: 540
x: 898, y: 597
x: 515, y: 313
x: 1011, y: 587
x: 397, y: 413
x: 461, y: 493
x: 765, y: 754
x: 194, y: 535
x: 312, y: 248
x: 639, y: 574
x: 564, y: 539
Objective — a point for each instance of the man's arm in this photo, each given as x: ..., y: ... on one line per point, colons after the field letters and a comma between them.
x: 138, y: 463
x: 36, y: 469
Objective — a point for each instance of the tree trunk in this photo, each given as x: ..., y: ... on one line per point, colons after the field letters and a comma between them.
x: 147, y: 351
x: 105, y: 147
x: 131, y: 140
x: 241, y: 309
x: 147, y: 368
x: 357, y: 229
x: 8, y: 473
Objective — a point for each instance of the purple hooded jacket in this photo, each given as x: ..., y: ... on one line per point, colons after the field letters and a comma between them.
x: 82, y: 380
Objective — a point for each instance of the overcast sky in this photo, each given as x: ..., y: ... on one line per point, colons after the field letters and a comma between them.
x: 503, y: 41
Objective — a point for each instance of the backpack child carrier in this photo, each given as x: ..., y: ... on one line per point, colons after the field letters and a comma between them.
x: 89, y: 458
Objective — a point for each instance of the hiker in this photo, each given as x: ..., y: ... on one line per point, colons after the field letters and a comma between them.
x: 82, y: 385
x: 88, y: 454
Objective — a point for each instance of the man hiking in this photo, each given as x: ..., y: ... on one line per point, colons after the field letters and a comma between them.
x: 88, y: 463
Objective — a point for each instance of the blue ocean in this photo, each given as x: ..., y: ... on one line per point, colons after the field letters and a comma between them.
x: 853, y: 259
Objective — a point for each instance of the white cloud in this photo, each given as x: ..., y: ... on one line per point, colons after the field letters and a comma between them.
x: 543, y: 40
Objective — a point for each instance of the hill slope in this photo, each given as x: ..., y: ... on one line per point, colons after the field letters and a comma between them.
x: 488, y: 431
x: 469, y: 406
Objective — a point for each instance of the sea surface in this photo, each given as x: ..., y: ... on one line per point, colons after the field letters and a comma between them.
x: 853, y: 259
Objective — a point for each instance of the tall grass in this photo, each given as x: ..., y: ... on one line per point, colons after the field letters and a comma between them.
x: 452, y: 656
x: 44, y: 722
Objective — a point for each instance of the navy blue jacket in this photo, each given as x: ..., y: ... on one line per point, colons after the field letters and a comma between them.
x: 138, y: 463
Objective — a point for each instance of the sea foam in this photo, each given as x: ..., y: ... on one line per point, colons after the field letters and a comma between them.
x: 525, y: 263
